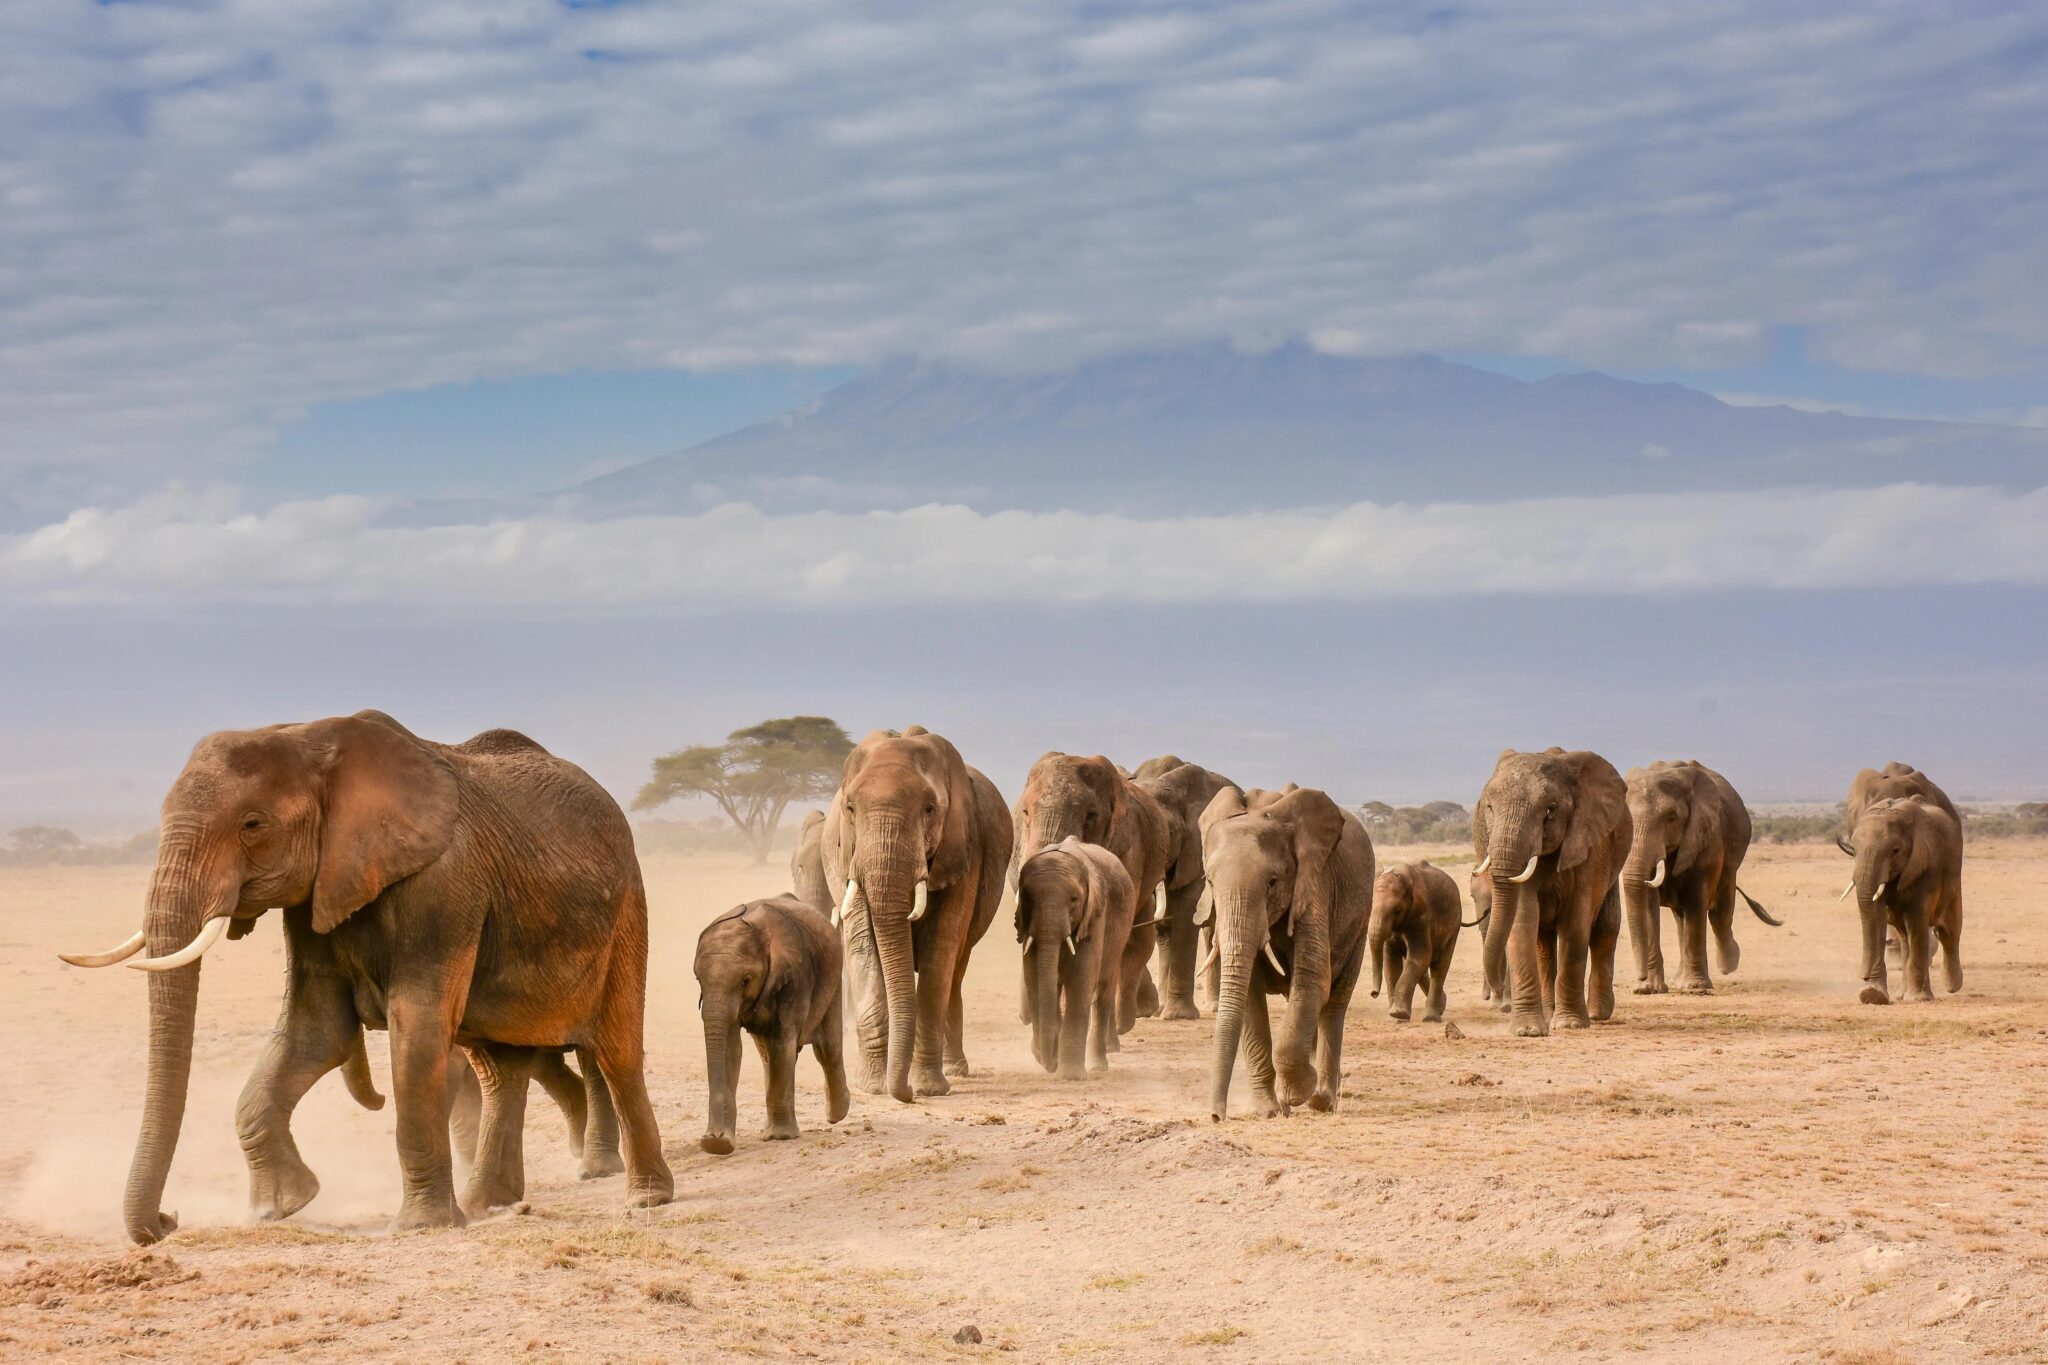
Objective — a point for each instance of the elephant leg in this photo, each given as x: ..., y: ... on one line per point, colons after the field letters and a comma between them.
x: 422, y: 1027
x: 1721, y: 917
x: 1178, y: 940
x: 1413, y: 968
x: 600, y: 1123
x: 1919, y: 959
x: 1258, y: 1055
x: 1101, y: 1020
x: 1605, y: 942
x: 465, y: 1109
x: 1951, y: 957
x: 1895, y: 948
x: 778, y: 1059
x: 1692, y: 951
x: 618, y: 1048
x: 1210, y: 985
x: 1078, y: 974
x: 1573, y: 951
x: 956, y: 1029
x: 1027, y: 1002
x: 497, y: 1178
x: 1546, y: 972
x: 1137, y: 991
x: 828, y: 1046
x: 316, y: 1030
x: 1329, y: 1057
x: 1439, y: 973
x: 1646, y: 937
x: 1876, y: 985
x: 567, y: 1090
x: 935, y: 970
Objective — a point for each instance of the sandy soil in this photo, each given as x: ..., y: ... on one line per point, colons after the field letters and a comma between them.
x: 1771, y: 1173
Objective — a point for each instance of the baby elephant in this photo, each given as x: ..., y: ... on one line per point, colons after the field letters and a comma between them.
x: 1413, y: 933
x: 1075, y: 904
x: 770, y: 967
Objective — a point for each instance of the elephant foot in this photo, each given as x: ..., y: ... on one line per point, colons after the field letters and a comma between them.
x: 870, y: 1077
x: 837, y: 1102
x: 957, y: 1067
x: 1652, y: 985
x: 927, y: 1079
x: 781, y: 1132
x: 1098, y: 1065
x: 718, y: 1144
x: 600, y: 1162
x: 1323, y: 1102
x: 652, y: 1194
x: 1920, y: 995
x: 1874, y: 995
x: 1573, y: 1019
x: 1068, y: 1072
x: 1397, y: 1013
x: 1729, y: 955
x: 1530, y: 1027
x: 282, y: 1190
x: 1696, y: 986
x: 158, y: 1228
x: 1148, y: 997
x: 1504, y: 1006
x: 1266, y: 1106
x: 1179, y: 1009
x: 442, y: 1212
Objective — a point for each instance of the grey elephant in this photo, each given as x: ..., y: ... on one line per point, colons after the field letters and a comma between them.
x: 1075, y: 904
x: 1690, y: 833
x: 1413, y: 933
x: 1551, y: 831
x: 918, y: 843
x: 1183, y: 791
x: 1292, y: 874
x: 1068, y: 796
x: 807, y: 865
x: 769, y: 968
x: 1909, y: 876
x: 483, y: 894
x: 1895, y: 780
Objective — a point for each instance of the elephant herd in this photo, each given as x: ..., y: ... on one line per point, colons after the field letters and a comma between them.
x: 482, y: 903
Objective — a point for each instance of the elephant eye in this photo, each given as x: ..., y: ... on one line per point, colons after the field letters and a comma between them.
x: 251, y: 823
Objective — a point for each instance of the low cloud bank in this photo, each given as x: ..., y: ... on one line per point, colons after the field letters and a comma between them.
x: 206, y: 547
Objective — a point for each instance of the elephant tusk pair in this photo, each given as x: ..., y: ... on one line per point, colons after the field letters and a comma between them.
x: 1658, y: 880
x: 919, y: 899
x: 109, y: 957
x: 208, y: 935
x: 1159, y: 903
x: 1530, y: 870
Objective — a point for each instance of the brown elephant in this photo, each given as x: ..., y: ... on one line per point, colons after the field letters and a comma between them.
x: 918, y: 842
x: 769, y: 968
x: 1551, y: 830
x: 1416, y: 916
x: 1097, y: 802
x: 1183, y: 791
x: 1690, y: 832
x: 1896, y: 781
x: 501, y: 909
x: 1291, y: 874
x: 807, y: 865
x: 1909, y: 875
x: 1075, y: 904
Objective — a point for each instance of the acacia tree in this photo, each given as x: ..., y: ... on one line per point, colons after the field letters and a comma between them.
x: 755, y: 774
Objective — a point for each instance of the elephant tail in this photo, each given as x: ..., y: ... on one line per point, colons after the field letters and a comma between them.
x: 1484, y: 915
x: 355, y: 1074
x: 1758, y: 910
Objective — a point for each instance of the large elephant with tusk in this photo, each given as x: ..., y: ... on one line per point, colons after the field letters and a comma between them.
x: 1183, y: 791
x: 1291, y: 874
x: 1551, y: 832
x: 1909, y: 877
x: 1690, y: 834
x: 1095, y: 801
x: 484, y: 894
x: 1896, y: 781
x: 917, y: 843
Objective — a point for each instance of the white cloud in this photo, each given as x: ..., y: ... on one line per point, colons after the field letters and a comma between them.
x: 214, y: 215
x: 184, y: 547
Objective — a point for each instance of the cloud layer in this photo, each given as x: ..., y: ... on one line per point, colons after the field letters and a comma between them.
x: 182, y: 548
x: 215, y: 214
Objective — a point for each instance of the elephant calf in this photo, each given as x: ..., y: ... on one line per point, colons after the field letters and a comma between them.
x: 1075, y: 903
x: 770, y: 967
x: 1909, y: 877
x: 1414, y: 931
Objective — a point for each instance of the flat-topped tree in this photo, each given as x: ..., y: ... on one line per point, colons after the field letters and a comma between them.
x: 755, y: 774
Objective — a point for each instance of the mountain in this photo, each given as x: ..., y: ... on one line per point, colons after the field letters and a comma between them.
x: 1212, y: 429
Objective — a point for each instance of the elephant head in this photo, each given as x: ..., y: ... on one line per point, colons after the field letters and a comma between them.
x: 1396, y: 901
x: 1895, y: 781
x: 1067, y: 797
x: 903, y: 828
x: 1268, y: 859
x: 1555, y: 807
x: 323, y: 815
x: 1063, y: 899
x: 736, y: 970
x: 1678, y: 824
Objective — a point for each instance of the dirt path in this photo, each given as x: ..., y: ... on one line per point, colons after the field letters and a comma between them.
x: 1771, y: 1173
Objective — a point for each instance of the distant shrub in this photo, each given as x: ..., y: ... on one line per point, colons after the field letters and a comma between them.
x: 2029, y: 819
x: 1438, y: 822
x: 55, y: 846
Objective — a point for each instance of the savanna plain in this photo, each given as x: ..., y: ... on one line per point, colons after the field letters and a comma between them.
x: 1773, y: 1172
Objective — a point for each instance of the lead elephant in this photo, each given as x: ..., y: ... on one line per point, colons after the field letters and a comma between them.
x: 1075, y: 904
x: 1093, y: 800
x: 1552, y: 829
x: 1416, y: 916
x: 1896, y: 781
x: 1291, y: 874
x: 918, y: 843
x: 1689, y: 832
x: 1183, y: 791
x: 482, y: 894
x: 1909, y: 875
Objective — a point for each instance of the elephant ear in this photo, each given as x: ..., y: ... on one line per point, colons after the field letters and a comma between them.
x: 1705, y: 823
x: 1097, y: 889
x: 387, y: 811
x: 1601, y: 807
x: 1109, y: 779
x: 1922, y: 838
x: 1224, y: 805
x: 1315, y: 824
x: 948, y: 772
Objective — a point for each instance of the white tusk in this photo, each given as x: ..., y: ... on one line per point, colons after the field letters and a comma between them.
x: 109, y: 957
x: 1207, y: 962
x: 1070, y: 946
x: 1274, y: 960
x: 1879, y: 895
x: 1027, y: 945
x: 1658, y: 880
x: 919, y: 899
x: 1159, y: 903
x: 1528, y: 871
x: 1205, y: 904
x: 1845, y: 892
x: 1488, y: 862
x: 846, y: 901
x: 209, y: 934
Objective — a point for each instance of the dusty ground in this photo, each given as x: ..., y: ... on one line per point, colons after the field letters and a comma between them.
x: 1772, y: 1173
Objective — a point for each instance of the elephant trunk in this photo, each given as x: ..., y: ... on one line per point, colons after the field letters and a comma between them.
x: 1514, y: 937
x: 1869, y: 882
x: 178, y: 905
x: 1046, y: 948
x: 1240, y: 924
x: 721, y: 1023
x: 1378, y: 933
x: 891, y: 871
x: 1640, y: 901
